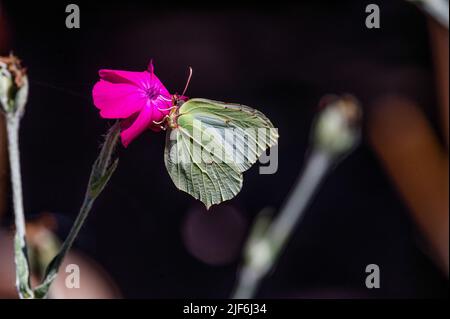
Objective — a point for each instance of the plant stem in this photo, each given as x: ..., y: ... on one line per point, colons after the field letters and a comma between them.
x: 21, y: 258
x: 294, y: 209
x: 42, y: 290
x: 101, y: 172
x: 336, y: 132
x: 248, y: 282
x: 438, y: 9
x: 265, y: 251
x: 12, y: 127
x: 74, y: 231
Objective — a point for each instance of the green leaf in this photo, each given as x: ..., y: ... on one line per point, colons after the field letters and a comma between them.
x: 211, y: 143
x: 41, y: 291
x: 102, y: 170
x: 97, y: 185
x: 22, y: 268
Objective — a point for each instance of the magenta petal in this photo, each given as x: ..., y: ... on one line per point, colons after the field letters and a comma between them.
x: 117, y: 100
x: 142, y: 122
x: 162, y: 106
x: 151, y: 68
x: 139, y: 79
x: 136, y: 98
x: 156, y: 84
x: 144, y: 80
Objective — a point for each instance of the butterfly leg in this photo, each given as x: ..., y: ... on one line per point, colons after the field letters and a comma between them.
x: 167, y: 109
x: 163, y: 127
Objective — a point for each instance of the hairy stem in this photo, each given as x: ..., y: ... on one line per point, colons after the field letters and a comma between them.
x: 21, y: 254
x: 294, y: 209
x: 101, y: 172
x: 265, y: 251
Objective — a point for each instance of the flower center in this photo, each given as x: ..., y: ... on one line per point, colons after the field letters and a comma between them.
x: 152, y: 92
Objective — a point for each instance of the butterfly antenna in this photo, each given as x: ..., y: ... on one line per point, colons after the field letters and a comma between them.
x: 188, y: 81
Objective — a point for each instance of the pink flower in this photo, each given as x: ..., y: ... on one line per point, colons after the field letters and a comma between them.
x: 137, y: 98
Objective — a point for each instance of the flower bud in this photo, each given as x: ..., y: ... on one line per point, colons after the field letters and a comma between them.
x: 13, y: 85
x: 338, y: 126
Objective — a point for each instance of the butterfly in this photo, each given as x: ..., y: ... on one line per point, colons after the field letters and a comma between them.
x: 209, y: 144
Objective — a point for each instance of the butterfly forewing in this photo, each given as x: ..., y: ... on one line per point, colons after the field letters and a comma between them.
x: 246, y: 132
x: 213, y: 144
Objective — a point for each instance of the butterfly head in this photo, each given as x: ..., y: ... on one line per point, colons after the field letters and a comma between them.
x: 177, y: 101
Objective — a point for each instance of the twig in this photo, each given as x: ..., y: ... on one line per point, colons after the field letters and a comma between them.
x: 13, y: 97
x: 335, y: 134
x: 438, y: 9
x: 21, y: 254
x: 102, y: 171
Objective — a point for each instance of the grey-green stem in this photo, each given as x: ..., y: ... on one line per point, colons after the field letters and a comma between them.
x: 21, y: 259
x: 335, y: 133
x: 102, y: 171
x: 264, y: 252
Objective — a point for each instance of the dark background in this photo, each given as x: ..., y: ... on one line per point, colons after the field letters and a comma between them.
x: 280, y: 57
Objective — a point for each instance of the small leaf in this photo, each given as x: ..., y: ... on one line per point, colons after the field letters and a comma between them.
x: 103, y: 169
x: 97, y: 185
x: 101, y: 173
x: 22, y: 268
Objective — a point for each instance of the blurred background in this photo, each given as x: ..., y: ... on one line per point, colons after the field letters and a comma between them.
x: 385, y: 204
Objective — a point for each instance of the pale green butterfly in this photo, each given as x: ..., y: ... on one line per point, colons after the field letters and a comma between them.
x: 209, y: 144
